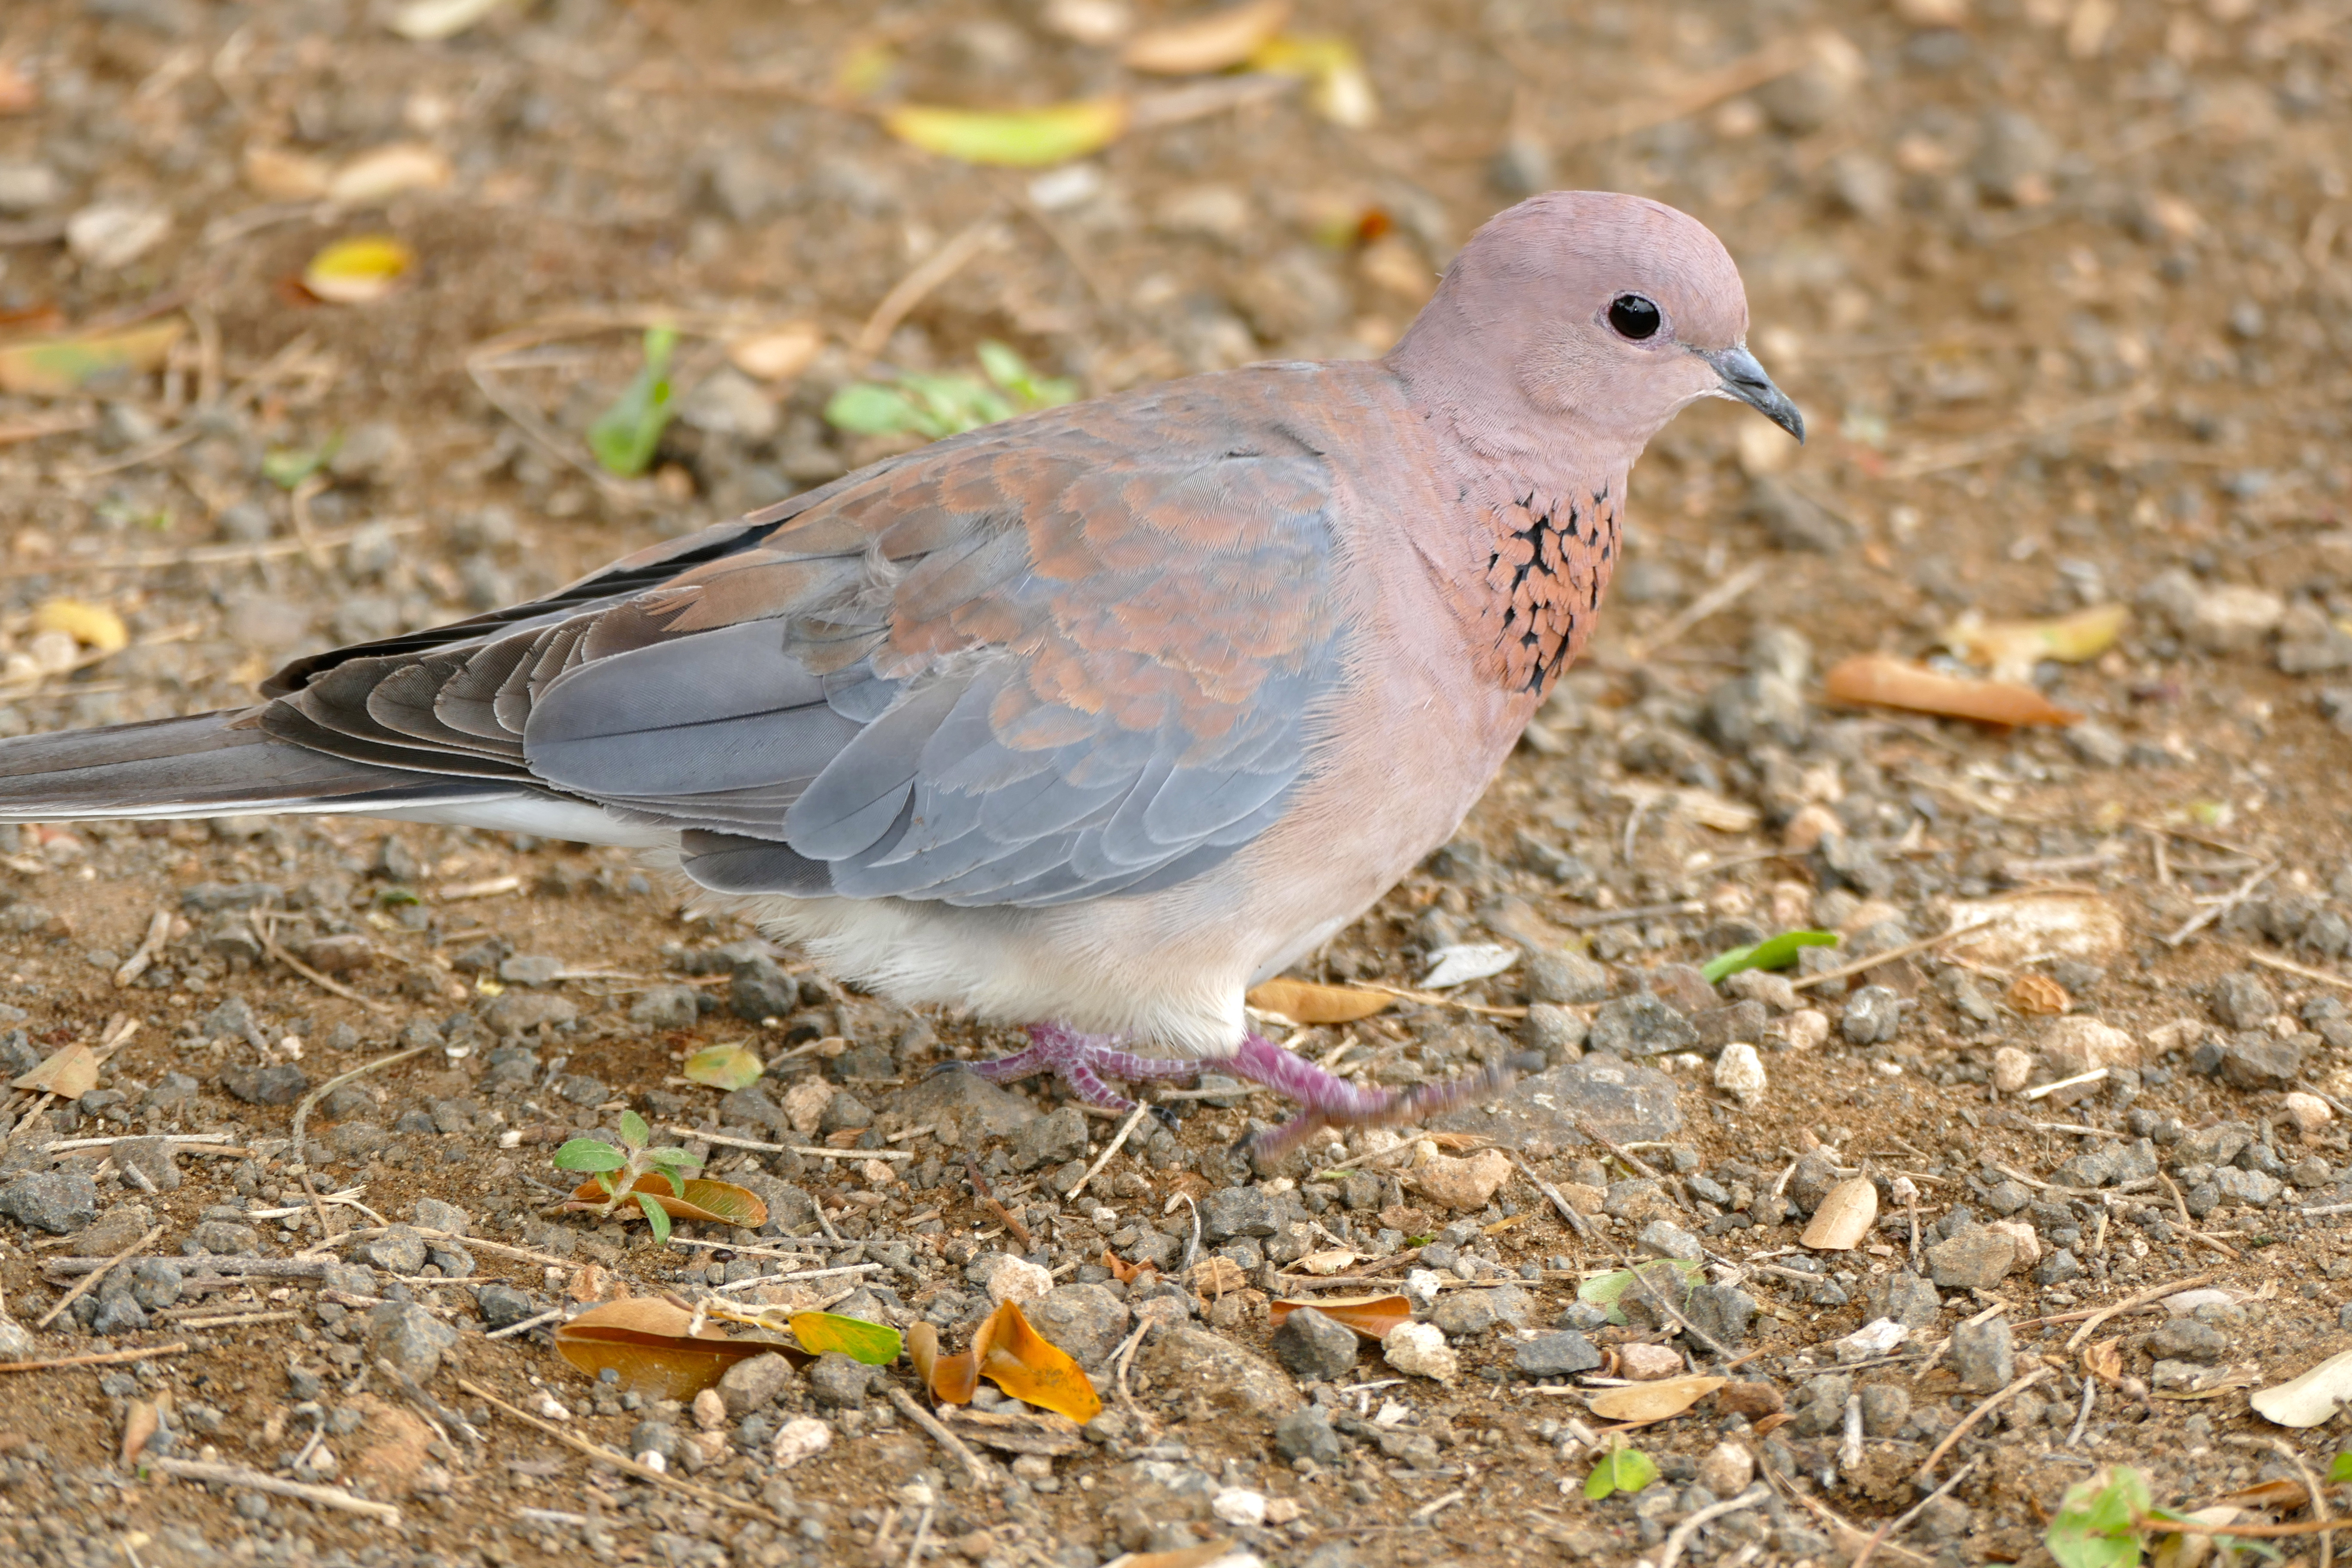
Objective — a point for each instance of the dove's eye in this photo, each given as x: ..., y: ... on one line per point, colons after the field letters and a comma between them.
x: 1634, y: 316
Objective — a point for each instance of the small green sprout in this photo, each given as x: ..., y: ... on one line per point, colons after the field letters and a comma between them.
x: 617, y: 1170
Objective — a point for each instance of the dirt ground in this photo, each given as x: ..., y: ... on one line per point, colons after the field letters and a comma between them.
x: 2064, y: 290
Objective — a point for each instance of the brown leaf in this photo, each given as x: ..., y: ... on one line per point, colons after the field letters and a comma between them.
x: 1215, y: 1276
x: 139, y: 1425
x: 1032, y: 1368
x: 1659, y: 1401
x: 1371, y: 1316
x: 645, y: 1341
x: 1768, y: 1424
x: 2039, y: 996
x: 588, y: 1284
x: 1755, y: 1400
x: 69, y: 1074
x: 1123, y: 1271
x: 1883, y: 681
x: 2105, y: 1361
x: 1412, y: 1221
x: 2277, y: 1497
x: 1212, y: 43
x: 1305, y: 1002
x: 1199, y: 1556
x: 1844, y: 1216
x: 721, y: 1202
x: 1019, y: 1431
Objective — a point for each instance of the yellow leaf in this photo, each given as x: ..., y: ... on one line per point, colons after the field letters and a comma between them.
x: 424, y: 21
x: 1032, y: 1369
x: 1019, y: 138
x: 92, y: 626
x: 358, y: 271
x: 57, y: 367
x: 723, y: 1067
x: 1656, y: 1401
x: 1342, y: 92
x: 2011, y: 648
x: 1305, y: 1002
x: 387, y: 171
x: 1210, y: 43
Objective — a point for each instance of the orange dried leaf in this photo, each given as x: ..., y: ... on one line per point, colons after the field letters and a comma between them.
x: 1032, y: 1368
x: 1212, y: 43
x: 1123, y: 1271
x: 69, y: 1074
x: 1371, y: 1316
x: 139, y: 1425
x: 720, y: 1202
x: 2279, y: 1496
x: 2039, y: 996
x: 1305, y: 1002
x: 1215, y: 1276
x: 923, y: 1350
x: 645, y: 1343
x: 1883, y: 681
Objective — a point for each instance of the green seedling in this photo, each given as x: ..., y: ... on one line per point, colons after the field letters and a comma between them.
x: 618, y: 1170
x: 1608, y: 1291
x: 936, y: 407
x: 287, y: 466
x: 625, y: 436
x: 1773, y: 952
x: 1626, y: 1470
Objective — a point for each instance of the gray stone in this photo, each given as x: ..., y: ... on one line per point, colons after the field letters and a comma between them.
x: 117, y: 1315
x: 153, y: 1159
x: 1306, y: 1434
x: 530, y: 969
x: 762, y: 990
x: 1794, y: 521
x: 1810, y: 1182
x: 1557, y: 1352
x: 2094, y: 1167
x: 356, y: 1140
x: 753, y: 1384
x: 1661, y: 1239
x: 155, y: 1283
x: 54, y: 1201
x: 845, y: 1111
x: 1721, y: 1312
x: 1975, y: 1259
x: 503, y: 1306
x: 408, y: 1335
x: 1314, y: 1347
x: 836, y: 1380
x: 2006, y: 1197
x: 1050, y: 1140
x: 1566, y: 979
x: 2058, y: 1267
x: 1538, y: 1115
x: 1873, y: 1015
x: 666, y: 1007
x: 1640, y: 1025
x: 434, y: 1214
x: 1555, y: 1032
x: 964, y: 1107
x: 1230, y: 1212
x: 399, y: 1251
x: 1086, y: 1321
x: 2260, y: 1060
x: 281, y: 1085
x: 1884, y: 1408
x: 2311, y: 1171
x: 1465, y: 1314
x: 1189, y: 1357
x: 2252, y: 1188
x: 520, y: 1012
x: 2186, y: 1338
x: 1984, y: 1355
x: 172, y: 1091
x: 2244, y: 1001
x: 1905, y: 1298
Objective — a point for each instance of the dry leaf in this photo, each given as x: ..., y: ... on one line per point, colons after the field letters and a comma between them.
x: 1766, y: 1425
x: 1215, y: 1276
x: 1371, y: 1316
x: 359, y: 270
x: 2050, y: 923
x: 2277, y: 1497
x: 285, y: 177
x: 1032, y: 1369
x: 1329, y: 1261
x: 777, y: 354
x: 1303, y: 1002
x: 69, y: 1074
x: 721, y: 1202
x: 1019, y: 1431
x: 1123, y: 1271
x: 2039, y: 996
x: 19, y: 94
x: 59, y: 368
x: 645, y: 1341
x: 1200, y: 1556
x: 1212, y: 43
x: 1845, y: 1218
x: 1341, y: 90
x: 1466, y: 961
x: 2011, y: 648
x: 379, y: 175
x: 1885, y: 681
x: 2105, y: 1361
x: 1645, y: 1402
x: 92, y: 626
x: 423, y: 21
x: 2308, y: 1400
x: 139, y: 1425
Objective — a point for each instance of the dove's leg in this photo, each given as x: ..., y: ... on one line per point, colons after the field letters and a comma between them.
x: 1082, y: 1061
x: 1327, y: 1100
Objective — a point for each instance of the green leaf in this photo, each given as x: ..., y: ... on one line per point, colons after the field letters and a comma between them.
x: 870, y: 408
x: 728, y: 1067
x: 2094, y: 1526
x: 656, y: 1217
x: 625, y: 436
x: 604, y: 1180
x: 1624, y: 1470
x: 875, y: 1344
x: 2340, y: 1471
x: 1011, y: 372
x: 633, y: 1131
x: 1017, y: 138
x: 1774, y: 953
x: 589, y: 1154
x: 1608, y: 1289
x: 287, y: 466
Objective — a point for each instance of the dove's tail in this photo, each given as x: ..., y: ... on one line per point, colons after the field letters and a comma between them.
x: 214, y: 764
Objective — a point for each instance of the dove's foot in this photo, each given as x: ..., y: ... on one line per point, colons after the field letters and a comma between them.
x: 1327, y: 1100
x: 1083, y: 1061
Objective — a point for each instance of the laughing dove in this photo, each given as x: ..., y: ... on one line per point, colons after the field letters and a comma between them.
x: 1086, y: 721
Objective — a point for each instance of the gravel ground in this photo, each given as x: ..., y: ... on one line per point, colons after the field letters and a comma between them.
x: 2064, y: 291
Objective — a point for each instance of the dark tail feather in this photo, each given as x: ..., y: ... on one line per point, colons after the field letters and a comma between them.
x: 208, y: 765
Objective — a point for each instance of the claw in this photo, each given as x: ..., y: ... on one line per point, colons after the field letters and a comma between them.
x: 947, y: 1067
x: 1166, y: 1117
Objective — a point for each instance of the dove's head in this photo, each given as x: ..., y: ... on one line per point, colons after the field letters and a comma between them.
x: 1604, y: 314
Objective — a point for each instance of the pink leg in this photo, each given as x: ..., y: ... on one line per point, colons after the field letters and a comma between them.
x: 1327, y: 1100
x: 1082, y: 1060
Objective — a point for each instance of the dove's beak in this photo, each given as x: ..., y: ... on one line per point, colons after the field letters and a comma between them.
x: 1744, y: 380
